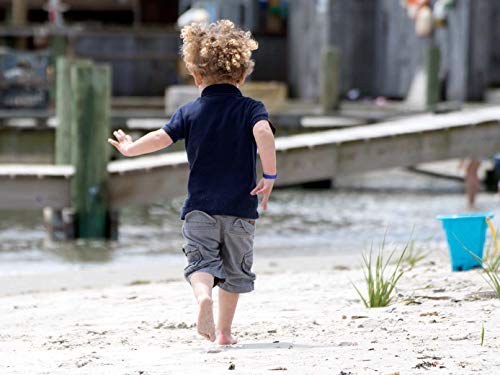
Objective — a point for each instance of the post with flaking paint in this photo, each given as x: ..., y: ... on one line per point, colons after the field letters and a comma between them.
x: 330, y: 80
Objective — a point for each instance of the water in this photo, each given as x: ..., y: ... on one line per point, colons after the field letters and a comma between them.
x: 299, y: 222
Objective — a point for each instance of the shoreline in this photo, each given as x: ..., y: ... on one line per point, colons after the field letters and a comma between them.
x: 165, y: 268
x: 304, y: 316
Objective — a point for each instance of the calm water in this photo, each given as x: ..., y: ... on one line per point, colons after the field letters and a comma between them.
x: 298, y: 222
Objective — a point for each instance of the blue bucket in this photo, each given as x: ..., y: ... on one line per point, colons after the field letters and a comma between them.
x: 465, y: 232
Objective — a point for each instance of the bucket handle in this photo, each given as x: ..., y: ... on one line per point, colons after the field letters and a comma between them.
x: 494, y: 235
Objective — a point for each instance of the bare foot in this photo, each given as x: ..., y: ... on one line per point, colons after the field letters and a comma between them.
x: 206, y: 325
x: 226, y: 339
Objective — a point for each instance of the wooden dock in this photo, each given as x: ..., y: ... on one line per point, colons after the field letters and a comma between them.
x: 28, y: 136
x: 302, y: 158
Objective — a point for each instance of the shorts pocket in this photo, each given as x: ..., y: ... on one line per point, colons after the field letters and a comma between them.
x: 193, y: 255
x: 243, y: 227
x: 247, y: 263
x: 199, y: 220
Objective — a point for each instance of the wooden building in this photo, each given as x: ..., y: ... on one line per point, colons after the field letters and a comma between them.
x: 115, y: 12
x: 380, y: 51
x: 139, y: 38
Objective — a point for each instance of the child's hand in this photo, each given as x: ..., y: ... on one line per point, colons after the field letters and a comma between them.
x: 264, y: 187
x: 124, y: 141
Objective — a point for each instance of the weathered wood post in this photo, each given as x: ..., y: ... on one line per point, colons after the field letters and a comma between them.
x: 19, y: 19
x: 63, y: 111
x: 90, y: 103
x: 58, y: 45
x: 19, y: 12
x: 59, y: 227
x: 432, y: 64
x: 82, y: 107
x: 330, y: 79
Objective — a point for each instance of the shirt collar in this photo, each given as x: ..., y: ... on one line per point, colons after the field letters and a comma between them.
x: 221, y: 89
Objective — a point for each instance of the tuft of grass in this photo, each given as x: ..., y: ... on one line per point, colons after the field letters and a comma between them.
x: 414, y: 255
x: 492, y: 277
x: 490, y: 268
x: 380, y: 286
x: 482, y: 334
x: 492, y: 258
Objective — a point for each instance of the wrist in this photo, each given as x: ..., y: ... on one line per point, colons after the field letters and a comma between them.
x: 270, y: 176
x: 127, y: 150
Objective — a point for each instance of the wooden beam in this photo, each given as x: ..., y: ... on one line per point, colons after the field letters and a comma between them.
x: 21, y: 145
x: 76, y: 4
x: 29, y: 193
x: 34, y: 187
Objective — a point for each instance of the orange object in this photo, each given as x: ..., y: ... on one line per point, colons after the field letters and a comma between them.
x: 418, y: 3
x: 423, y: 22
x: 414, y: 6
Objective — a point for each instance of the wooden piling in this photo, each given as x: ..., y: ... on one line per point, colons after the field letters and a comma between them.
x: 330, y: 80
x: 432, y: 64
x: 19, y: 12
x: 57, y: 51
x: 19, y: 18
x: 53, y: 218
x: 90, y: 103
x: 63, y: 112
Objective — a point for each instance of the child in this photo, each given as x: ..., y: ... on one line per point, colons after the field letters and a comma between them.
x: 472, y: 181
x: 222, y: 131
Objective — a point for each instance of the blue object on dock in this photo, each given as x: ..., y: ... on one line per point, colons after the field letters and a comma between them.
x: 465, y: 231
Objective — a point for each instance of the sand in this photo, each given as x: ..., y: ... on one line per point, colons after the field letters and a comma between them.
x: 303, y: 318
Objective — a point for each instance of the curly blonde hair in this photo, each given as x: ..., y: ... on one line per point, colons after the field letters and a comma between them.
x: 218, y: 52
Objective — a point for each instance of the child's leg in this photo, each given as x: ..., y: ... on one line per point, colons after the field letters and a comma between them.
x: 227, y: 308
x: 202, y: 284
x: 237, y: 256
x: 472, y: 183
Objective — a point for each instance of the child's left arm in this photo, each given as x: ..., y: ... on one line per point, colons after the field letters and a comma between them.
x: 151, y: 142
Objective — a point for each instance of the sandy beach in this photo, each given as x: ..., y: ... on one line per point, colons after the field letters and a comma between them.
x: 303, y: 318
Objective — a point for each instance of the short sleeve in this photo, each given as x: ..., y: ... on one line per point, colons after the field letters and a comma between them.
x: 259, y: 112
x: 175, y: 127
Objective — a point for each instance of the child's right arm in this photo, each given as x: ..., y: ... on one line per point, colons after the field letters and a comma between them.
x: 265, y: 143
x: 151, y: 142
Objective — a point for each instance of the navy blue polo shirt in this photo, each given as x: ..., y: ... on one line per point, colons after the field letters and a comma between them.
x: 222, y: 153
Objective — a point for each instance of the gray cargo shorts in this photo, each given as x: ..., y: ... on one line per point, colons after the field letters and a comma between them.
x: 221, y: 246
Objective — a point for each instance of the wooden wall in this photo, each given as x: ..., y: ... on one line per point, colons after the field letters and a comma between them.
x: 351, y: 27
x: 307, y: 35
x: 398, y: 50
x: 466, y: 48
x: 270, y: 59
x: 495, y: 44
x: 143, y: 63
x: 381, y: 52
